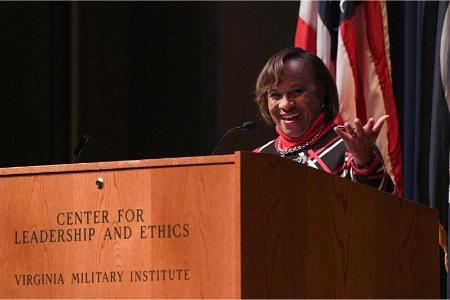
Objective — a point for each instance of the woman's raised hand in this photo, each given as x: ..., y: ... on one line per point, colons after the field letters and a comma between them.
x: 360, y: 140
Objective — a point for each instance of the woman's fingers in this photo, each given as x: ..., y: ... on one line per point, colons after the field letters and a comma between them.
x: 349, y: 129
x: 379, y: 124
x: 341, y: 131
x: 369, y: 125
x: 359, y: 130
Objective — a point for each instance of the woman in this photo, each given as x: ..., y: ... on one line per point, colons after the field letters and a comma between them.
x: 296, y: 93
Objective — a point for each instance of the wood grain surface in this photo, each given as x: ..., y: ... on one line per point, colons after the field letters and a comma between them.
x: 243, y: 225
x: 308, y: 234
x: 199, y: 195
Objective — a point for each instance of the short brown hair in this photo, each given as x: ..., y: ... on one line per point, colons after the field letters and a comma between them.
x: 272, y: 74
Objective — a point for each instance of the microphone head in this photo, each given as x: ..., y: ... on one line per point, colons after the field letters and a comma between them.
x: 248, y: 125
x: 245, y: 126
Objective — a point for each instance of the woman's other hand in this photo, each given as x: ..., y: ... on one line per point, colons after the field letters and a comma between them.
x: 360, y: 139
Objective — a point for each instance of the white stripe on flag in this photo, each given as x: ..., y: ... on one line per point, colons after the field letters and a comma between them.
x: 308, y: 12
x: 344, y: 82
x: 324, y: 45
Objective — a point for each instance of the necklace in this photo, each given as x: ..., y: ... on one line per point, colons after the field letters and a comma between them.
x: 284, y: 152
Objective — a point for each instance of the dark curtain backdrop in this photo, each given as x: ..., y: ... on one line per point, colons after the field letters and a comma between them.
x: 143, y: 79
x: 34, y: 91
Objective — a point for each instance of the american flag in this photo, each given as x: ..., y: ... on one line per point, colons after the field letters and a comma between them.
x: 351, y: 37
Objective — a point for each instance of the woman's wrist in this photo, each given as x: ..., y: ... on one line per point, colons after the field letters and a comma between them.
x: 368, y: 167
x: 363, y: 162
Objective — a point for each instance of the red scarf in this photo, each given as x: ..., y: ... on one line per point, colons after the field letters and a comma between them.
x: 318, y: 125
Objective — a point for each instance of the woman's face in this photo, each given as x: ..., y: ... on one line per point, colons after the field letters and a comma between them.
x: 296, y: 101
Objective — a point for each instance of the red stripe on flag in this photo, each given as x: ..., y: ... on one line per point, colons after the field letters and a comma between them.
x: 375, y: 38
x: 348, y: 34
x: 305, y: 36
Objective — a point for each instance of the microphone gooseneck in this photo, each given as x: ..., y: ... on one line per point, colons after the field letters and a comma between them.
x: 80, y: 147
x: 244, y: 126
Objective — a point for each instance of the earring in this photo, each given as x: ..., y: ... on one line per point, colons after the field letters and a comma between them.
x: 322, y: 108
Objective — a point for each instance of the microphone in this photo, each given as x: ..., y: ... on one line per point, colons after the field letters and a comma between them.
x: 245, y: 126
x: 80, y: 147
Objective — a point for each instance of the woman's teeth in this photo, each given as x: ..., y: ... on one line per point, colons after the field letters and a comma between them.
x: 289, y: 117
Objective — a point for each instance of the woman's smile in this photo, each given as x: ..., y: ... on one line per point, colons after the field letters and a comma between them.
x: 290, y: 117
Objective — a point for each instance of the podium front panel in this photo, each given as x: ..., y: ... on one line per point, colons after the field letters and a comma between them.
x: 168, y: 231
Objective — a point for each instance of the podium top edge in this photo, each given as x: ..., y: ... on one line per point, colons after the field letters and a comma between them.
x: 121, y: 165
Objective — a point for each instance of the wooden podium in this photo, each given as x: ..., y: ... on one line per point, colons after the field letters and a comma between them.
x: 233, y: 226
